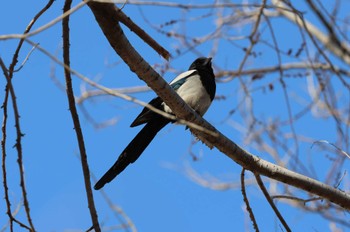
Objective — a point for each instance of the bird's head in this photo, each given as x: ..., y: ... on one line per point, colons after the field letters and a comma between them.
x: 201, y: 63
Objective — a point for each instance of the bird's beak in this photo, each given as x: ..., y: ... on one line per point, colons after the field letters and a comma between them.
x: 208, y: 61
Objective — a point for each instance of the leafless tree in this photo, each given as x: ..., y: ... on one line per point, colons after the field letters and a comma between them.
x: 309, y: 75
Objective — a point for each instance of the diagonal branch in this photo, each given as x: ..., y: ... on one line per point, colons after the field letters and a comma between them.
x: 142, y: 34
x: 105, y: 15
x: 270, y: 201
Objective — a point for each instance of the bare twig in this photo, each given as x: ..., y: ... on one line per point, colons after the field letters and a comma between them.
x: 286, y: 96
x: 272, y: 204
x: 253, y: 39
x: 3, y: 149
x: 332, y: 144
x: 25, y: 59
x: 298, y: 199
x: 285, y: 67
x: 94, y: 93
x: 188, y: 5
x: 3, y: 145
x: 246, y: 201
x: 18, y: 146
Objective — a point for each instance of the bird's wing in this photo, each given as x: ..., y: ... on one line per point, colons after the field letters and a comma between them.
x: 146, y: 114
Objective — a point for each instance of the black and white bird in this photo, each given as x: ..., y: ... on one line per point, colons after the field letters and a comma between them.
x: 196, y: 87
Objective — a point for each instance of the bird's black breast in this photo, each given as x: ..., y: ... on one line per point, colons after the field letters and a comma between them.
x: 208, y: 80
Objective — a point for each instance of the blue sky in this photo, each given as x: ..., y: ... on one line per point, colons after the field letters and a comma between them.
x: 154, y: 191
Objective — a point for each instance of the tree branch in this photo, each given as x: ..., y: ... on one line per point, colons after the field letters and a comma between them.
x: 75, y: 119
x: 272, y: 204
x: 259, y: 72
x: 247, y: 204
x: 142, y: 34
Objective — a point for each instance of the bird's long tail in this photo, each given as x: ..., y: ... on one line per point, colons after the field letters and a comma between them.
x: 133, y: 151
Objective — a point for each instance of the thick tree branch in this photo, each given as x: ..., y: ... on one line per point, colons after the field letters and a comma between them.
x: 105, y: 15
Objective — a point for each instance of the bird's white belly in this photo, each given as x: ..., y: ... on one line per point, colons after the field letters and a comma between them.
x: 194, y: 94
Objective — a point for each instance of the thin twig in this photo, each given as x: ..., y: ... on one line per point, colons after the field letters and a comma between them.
x: 18, y: 146
x: 253, y: 38
x: 286, y: 97
x: 26, y: 58
x: 332, y: 144
x: 293, y: 198
x: 94, y: 93
x: 276, y: 68
x: 246, y: 201
x: 189, y: 5
x: 3, y: 149
x: 272, y: 204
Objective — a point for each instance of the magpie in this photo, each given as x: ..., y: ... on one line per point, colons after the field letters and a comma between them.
x: 196, y: 87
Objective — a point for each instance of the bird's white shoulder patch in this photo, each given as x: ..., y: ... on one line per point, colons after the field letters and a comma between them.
x: 182, y: 75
